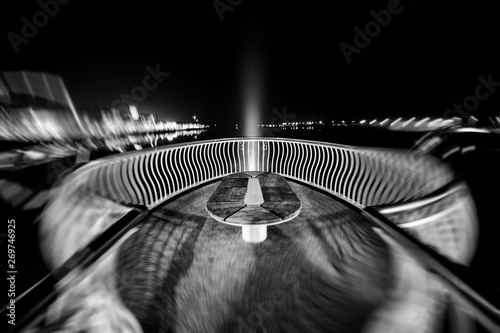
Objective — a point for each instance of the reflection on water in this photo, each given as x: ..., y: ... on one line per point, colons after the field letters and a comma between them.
x: 43, y: 152
x: 137, y: 142
x: 98, y: 147
x: 347, y: 135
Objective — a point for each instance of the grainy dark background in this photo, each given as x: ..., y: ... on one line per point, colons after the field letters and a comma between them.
x: 427, y: 58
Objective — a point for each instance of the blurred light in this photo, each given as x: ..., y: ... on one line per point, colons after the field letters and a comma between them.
x: 253, y: 85
x: 395, y: 122
x: 452, y: 151
x: 447, y: 122
x: 468, y: 148
x: 133, y: 112
x: 471, y: 130
x: 407, y: 122
x: 421, y: 122
x: 434, y: 122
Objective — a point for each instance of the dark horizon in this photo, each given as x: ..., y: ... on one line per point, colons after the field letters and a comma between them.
x: 426, y: 58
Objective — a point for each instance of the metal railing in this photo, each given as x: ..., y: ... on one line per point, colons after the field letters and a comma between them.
x: 363, y: 176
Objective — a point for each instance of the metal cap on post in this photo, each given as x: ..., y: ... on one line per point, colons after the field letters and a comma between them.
x: 254, y: 233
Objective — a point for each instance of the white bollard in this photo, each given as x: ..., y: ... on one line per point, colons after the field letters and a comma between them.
x: 254, y: 233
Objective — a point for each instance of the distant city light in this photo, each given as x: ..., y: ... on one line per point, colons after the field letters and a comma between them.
x: 395, y: 122
x: 421, y: 122
x: 308, y: 125
x: 39, y: 124
x: 407, y: 122
x: 435, y: 121
x: 133, y: 112
x: 447, y: 122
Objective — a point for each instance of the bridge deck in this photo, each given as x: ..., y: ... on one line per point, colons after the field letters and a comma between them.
x: 326, y: 270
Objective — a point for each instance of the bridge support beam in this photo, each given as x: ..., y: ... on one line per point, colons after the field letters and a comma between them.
x: 254, y: 233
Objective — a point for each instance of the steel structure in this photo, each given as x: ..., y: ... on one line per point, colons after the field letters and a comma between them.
x: 415, y: 197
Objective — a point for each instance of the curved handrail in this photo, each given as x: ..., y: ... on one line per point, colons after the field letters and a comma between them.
x: 239, y: 154
x: 470, y: 288
x: 40, y: 295
x: 455, y: 186
x: 363, y: 177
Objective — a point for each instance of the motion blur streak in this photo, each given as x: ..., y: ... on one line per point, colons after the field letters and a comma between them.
x: 37, y: 106
x: 327, y: 270
x: 184, y: 272
x: 94, y: 300
x: 251, y: 106
x: 253, y: 85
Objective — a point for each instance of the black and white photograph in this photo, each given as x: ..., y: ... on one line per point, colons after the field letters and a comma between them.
x: 250, y: 166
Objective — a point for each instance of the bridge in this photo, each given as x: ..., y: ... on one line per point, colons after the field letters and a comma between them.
x: 414, y: 198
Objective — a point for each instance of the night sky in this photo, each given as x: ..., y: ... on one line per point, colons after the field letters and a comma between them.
x: 277, y: 52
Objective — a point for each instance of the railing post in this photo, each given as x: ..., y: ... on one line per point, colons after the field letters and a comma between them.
x: 254, y: 233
